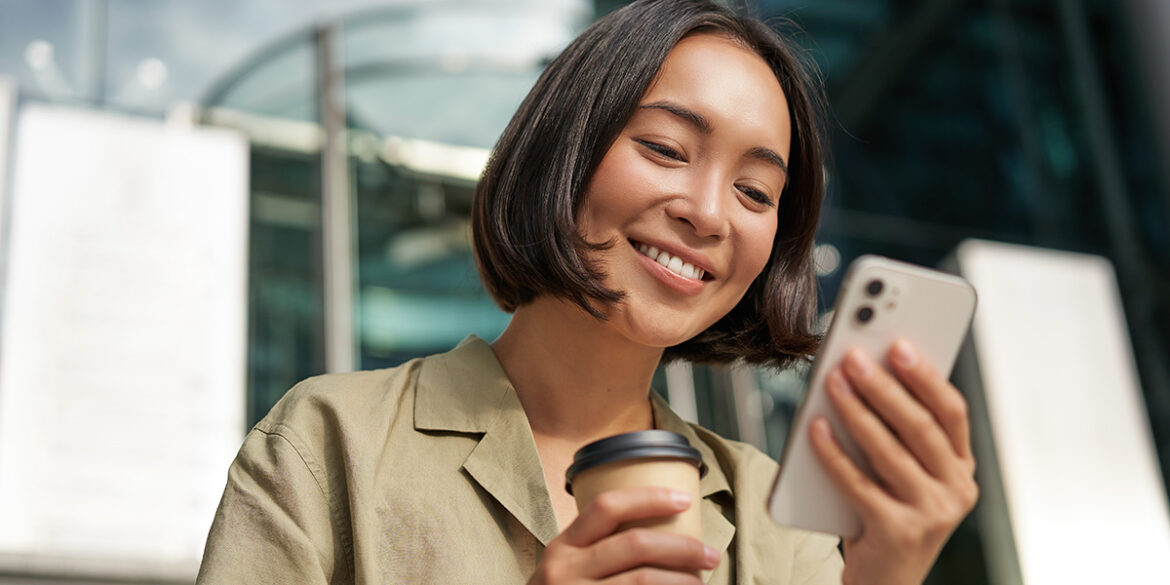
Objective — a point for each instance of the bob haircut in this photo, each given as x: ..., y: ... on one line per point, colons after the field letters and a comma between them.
x: 524, y: 214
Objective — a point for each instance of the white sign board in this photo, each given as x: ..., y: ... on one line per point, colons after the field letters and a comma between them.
x: 1082, y: 495
x: 122, y: 342
x: 7, y: 107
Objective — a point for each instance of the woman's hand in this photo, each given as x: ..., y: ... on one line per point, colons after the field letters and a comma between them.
x: 591, y: 551
x: 915, y: 433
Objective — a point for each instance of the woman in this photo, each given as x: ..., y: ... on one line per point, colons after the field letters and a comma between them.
x: 634, y: 209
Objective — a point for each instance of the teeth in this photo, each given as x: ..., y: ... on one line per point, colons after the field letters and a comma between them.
x: 672, y: 263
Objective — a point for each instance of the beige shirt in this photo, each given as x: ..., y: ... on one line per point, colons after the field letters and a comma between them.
x: 428, y: 473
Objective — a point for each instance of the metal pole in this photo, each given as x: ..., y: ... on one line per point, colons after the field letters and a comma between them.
x: 749, y: 415
x: 1046, y: 209
x: 91, y: 51
x: 1149, y: 21
x: 1127, y: 253
x: 9, y: 94
x: 337, y: 241
x: 680, y: 387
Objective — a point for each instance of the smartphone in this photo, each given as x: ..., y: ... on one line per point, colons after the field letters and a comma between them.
x: 879, y: 301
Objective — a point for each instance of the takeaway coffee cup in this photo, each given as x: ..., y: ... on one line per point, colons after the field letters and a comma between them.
x: 642, y: 458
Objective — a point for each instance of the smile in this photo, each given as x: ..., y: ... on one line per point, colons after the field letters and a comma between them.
x: 671, y: 263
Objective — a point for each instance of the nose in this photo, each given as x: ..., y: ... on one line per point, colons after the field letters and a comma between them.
x: 702, y: 209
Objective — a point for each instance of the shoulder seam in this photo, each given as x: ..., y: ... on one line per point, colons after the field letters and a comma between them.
x: 290, y: 436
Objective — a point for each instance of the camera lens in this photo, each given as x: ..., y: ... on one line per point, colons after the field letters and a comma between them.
x: 864, y: 314
x: 874, y: 288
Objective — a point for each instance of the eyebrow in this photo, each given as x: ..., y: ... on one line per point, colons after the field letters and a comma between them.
x: 769, y: 156
x: 703, y: 125
x: 693, y: 118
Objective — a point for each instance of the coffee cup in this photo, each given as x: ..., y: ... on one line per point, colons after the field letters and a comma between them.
x: 639, y: 459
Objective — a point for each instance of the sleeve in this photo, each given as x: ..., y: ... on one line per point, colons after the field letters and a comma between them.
x: 273, y: 525
x: 808, y: 558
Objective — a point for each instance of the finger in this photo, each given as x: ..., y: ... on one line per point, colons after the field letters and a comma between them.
x: 611, y: 509
x: 935, y: 392
x: 901, y: 411
x: 864, y: 495
x: 656, y: 576
x: 890, y: 460
x: 646, y: 547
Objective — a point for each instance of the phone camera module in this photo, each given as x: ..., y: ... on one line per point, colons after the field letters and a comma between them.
x: 864, y: 315
x: 874, y: 288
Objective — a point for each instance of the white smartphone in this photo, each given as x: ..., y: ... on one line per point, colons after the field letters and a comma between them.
x: 879, y: 301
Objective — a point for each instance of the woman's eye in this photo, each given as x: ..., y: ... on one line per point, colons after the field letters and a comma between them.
x: 660, y: 149
x: 756, y: 195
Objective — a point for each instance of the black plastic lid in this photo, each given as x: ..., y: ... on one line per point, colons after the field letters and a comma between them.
x: 635, y: 445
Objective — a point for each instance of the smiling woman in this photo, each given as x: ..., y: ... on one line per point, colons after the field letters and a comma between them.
x: 655, y: 197
x: 528, y: 203
x: 683, y: 178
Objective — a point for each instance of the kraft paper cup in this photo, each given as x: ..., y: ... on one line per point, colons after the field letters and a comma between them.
x: 642, y: 458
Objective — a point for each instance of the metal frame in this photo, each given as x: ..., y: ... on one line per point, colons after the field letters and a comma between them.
x: 338, y: 257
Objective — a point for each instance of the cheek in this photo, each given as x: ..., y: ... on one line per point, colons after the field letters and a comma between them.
x: 610, y: 195
x: 759, y: 248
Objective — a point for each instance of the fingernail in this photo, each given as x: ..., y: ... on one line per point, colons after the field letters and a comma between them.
x: 903, y: 354
x: 838, y: 384
x: 857, y: 364
x: 821, y: 427
x: 681, y: 499
x: 712, y: 555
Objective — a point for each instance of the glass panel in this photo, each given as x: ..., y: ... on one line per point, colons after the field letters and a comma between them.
x: 513, y: 35
x: 434, y: 105
x: 42, y: 47
x: 285, y: 337
x: 280, y: 82
x: 780, y: 394
x: 163, y: 51
x: 273, y: 99
x: 410, y: 77
x: 419, y: 290
x: 417, y: 144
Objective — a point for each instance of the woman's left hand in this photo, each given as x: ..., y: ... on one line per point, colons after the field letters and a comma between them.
x: 913, y: 428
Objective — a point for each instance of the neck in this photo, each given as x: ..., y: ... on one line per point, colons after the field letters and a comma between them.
x: 576, y: 379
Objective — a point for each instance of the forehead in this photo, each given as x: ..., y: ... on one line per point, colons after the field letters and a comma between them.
x: 721, y: 79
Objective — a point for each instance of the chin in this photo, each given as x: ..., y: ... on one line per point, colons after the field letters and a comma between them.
x: 651, y: 331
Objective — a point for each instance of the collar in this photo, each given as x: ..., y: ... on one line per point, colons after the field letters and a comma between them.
x: 466, y: 391
x: 666, y: 419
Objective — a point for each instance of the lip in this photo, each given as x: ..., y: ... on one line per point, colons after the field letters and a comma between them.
x: 675, y: 281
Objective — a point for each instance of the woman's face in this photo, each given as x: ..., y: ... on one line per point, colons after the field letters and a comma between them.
x: 688, y: 191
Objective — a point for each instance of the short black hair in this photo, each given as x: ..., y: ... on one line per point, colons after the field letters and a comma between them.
x: 524, y: 214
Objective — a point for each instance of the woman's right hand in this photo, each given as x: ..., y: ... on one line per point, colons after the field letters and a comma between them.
x: 591, y: 550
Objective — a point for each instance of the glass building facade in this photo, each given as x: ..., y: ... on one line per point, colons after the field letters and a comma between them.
x: 1022, y: 121
x: 413, y: 150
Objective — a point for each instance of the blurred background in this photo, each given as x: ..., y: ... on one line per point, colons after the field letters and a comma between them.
x: 206, y: 202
